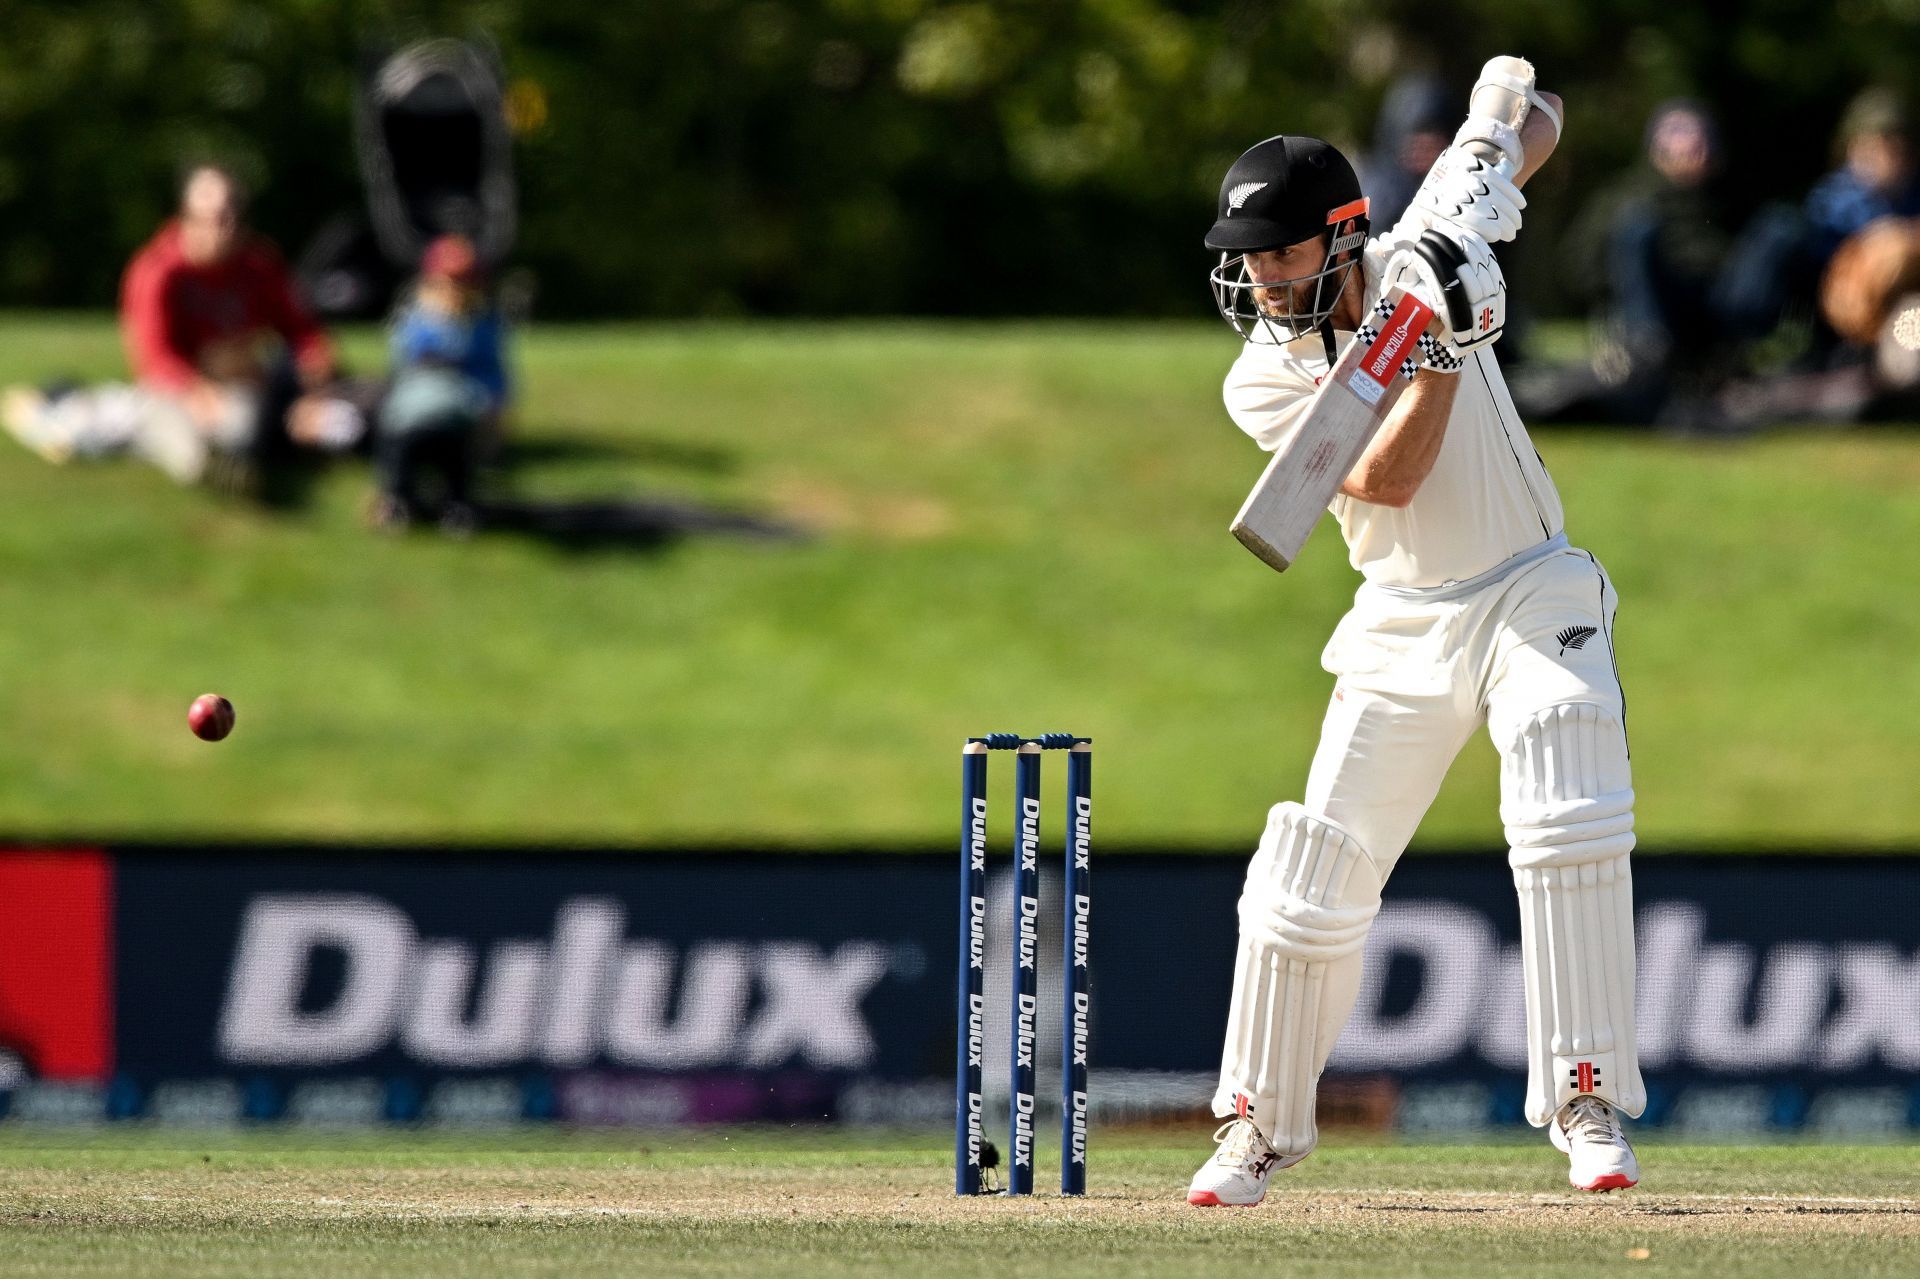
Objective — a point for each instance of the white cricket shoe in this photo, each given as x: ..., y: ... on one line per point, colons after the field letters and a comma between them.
x: 1236, y: 1176
x: 1588, y: 1132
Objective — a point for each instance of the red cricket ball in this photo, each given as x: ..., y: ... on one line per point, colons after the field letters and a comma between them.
x: 210, y: 717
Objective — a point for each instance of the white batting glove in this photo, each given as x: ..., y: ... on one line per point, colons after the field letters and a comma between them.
x: 1456, y: 273
x: 1476, y: 310
x: 1467, y: 192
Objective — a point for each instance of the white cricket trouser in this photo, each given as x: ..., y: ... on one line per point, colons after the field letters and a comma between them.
x: 1416, y: 680
x: 1529, y: 655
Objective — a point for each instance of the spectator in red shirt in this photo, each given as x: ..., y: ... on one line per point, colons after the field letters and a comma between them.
x: 200, y: 297
x: 211, y: 318
x: 229, y: 366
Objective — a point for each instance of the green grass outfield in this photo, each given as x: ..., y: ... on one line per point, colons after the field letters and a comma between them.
x: 754, y: 1205
x: 1014, y: 527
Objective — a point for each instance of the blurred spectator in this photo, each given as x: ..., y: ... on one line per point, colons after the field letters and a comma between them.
x: 1682, y: 300
x: 1857, y: 246
x: 201, y: 295
x: 1870, y: 300
x: 211, y: 318
x: 1667, y: 252
x: 1784, y: 252
x: 1416, y: 122
x: 227, y: 363
x: 449, y: 391
x: 1667, y: 275
x: 1876, y: 178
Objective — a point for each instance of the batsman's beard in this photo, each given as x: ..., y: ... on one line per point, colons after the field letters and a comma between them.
x: 1278, y: 311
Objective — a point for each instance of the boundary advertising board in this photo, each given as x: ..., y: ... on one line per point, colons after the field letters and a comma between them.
x: 327, y: 985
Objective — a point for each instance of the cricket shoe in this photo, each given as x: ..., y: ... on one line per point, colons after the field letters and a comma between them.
x: 1236, y: 1176
x: 1588, y: 1132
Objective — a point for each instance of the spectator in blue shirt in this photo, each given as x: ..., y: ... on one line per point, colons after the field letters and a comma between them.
x: 1876, y: 178
x: 449, y: 391
x: 1776, y: 264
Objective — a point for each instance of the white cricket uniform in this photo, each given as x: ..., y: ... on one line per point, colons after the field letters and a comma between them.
x: 1474, y: 610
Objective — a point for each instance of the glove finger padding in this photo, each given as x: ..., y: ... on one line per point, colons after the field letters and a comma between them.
x: 1465, y: 190
x: 1444, y: 258
x: 1458, y: 273
x: 1475, y: 296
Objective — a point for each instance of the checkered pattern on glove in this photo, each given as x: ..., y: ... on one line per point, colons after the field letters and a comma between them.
x: 1436, y: 355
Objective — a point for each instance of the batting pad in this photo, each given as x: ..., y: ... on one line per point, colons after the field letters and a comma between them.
x: 1568, y: 810
x: 1311, y: 894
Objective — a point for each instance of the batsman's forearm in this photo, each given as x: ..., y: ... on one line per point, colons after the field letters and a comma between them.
x: 1402, y: 453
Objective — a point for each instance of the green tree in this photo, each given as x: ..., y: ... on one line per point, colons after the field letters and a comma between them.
x: 695, y: 157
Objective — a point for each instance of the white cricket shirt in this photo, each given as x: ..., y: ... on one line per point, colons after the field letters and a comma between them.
x: 1488, y: 498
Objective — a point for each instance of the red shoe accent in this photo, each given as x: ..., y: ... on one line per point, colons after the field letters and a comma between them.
x: 1612, y: 1181
x: 1207, y: 1199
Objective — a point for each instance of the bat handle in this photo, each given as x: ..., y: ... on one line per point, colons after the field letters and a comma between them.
x: 1500, y: 95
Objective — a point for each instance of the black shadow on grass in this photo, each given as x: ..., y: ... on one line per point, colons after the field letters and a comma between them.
x: 583, y: 446
x: 283, y: 485
x: 644, y: 524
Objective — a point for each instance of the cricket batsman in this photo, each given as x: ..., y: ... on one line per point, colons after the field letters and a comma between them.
x: 1475, y: 610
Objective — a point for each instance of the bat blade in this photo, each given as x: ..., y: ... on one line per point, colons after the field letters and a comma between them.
x: 1308, y: 467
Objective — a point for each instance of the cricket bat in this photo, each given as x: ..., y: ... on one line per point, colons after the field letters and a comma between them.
x: 1308, y: 468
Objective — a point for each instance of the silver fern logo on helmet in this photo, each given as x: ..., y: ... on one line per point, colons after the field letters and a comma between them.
x: 1238, y: 197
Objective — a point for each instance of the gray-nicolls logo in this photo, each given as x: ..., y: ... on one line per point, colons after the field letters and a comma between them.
x: 583, y: 994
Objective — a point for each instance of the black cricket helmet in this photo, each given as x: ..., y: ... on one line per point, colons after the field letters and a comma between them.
x: 1280, y: 192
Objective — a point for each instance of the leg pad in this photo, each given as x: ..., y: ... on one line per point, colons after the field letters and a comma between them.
x: 1311, y: 894
x: 1568, y: 810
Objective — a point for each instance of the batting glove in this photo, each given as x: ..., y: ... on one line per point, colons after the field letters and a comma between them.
x: 1466, y: 191
x: 1456, y: 272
